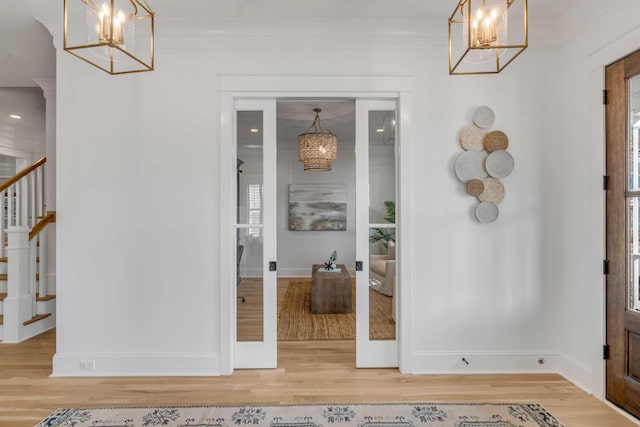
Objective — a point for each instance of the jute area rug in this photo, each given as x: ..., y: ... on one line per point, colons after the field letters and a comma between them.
x: 344, y: 415
x: 297, y: 323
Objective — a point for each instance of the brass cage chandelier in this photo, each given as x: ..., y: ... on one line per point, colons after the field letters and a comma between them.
x: 487, y: 35
x: 116, y: 36
x: 317, y: 148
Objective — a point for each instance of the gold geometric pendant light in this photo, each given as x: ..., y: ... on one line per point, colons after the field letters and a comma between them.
x: 113, y: 35
x: 487, y: 35
x: 317, y: 148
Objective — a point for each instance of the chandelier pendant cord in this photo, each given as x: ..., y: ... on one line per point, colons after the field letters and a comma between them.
x: 316, y: 126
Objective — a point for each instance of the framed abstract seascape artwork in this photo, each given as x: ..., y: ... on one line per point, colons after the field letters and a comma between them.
x: 317, y: 207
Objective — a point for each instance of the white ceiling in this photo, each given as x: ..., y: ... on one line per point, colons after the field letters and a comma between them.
x: 26, y: 133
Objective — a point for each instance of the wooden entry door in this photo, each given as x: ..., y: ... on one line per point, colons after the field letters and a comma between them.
x: 623, y: 233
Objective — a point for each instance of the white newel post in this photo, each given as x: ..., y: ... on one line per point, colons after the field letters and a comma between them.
x: 18, y: 306
x: 48, y: 268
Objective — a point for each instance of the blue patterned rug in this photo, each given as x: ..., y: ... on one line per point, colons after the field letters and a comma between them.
x: 342, y: 415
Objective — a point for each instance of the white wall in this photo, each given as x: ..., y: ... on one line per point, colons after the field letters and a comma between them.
x: 149, y: 177
x: 502, y: 295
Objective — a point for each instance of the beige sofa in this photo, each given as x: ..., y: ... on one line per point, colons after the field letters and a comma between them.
x: 382, y: 269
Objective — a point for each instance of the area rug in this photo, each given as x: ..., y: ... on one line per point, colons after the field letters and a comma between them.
x: 297, y: 323
x: 344, y: 415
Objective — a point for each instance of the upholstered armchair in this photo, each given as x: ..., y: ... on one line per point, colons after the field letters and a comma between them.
x: 382, y: 271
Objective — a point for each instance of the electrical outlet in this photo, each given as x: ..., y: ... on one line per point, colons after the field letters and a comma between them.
x: 88, y: 365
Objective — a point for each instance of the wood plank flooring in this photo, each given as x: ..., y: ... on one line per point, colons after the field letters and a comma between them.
x: 308, y: 372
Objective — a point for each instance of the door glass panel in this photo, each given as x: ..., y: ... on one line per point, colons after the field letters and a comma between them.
x: 382, y: 232
x: 634, y: 133
x: 249, y: 232
x: 382, y: 284
x: 634, y: 185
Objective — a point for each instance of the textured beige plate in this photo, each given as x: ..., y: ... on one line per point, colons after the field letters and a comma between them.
x: 493, y: 191
x: 475, y: 187
x: 471, y: 138
x: 496, y: 140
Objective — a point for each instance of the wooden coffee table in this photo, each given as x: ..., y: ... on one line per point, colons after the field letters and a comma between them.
x: 330, y: 291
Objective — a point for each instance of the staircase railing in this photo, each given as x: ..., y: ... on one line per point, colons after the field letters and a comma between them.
x: 38, y: 246
x: 22, y: 203
x: 22, y: 199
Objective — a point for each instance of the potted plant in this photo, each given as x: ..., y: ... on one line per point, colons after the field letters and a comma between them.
x: 385, y: 235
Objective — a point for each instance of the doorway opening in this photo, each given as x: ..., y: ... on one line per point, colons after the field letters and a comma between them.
x: 289, y: 222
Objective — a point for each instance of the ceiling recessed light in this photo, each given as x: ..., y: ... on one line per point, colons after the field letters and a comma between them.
x: 15, y: 116
x: 380, y: 130
x: 254, y: 130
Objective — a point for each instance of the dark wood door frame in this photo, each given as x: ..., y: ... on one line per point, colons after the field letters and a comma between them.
x: 622, y: 325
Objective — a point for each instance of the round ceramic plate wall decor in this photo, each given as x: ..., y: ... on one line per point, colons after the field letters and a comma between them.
x: 483, y: 117
x: 469, y: 165
x: 499, y: 164
x: 487, y: 212
x: 472, y: 138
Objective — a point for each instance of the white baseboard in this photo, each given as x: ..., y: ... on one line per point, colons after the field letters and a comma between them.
x: 484, y: 362
x: 98, y: 365
x: 576, y: 372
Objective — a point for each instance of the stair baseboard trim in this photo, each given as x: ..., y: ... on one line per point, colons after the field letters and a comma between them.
x: 35, y: 319
x: 108, y: 365
x: 32, y: 329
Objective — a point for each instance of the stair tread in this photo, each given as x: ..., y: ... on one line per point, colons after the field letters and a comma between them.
x: 1, y: 319
x: 6, y: 259
x: 3, y: 296
x: 35, y: 319
x: 6, y: 276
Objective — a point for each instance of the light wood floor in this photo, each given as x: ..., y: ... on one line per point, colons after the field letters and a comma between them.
x: 308, y: 372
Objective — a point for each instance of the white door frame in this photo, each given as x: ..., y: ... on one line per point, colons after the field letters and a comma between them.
x: 273, y: 87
